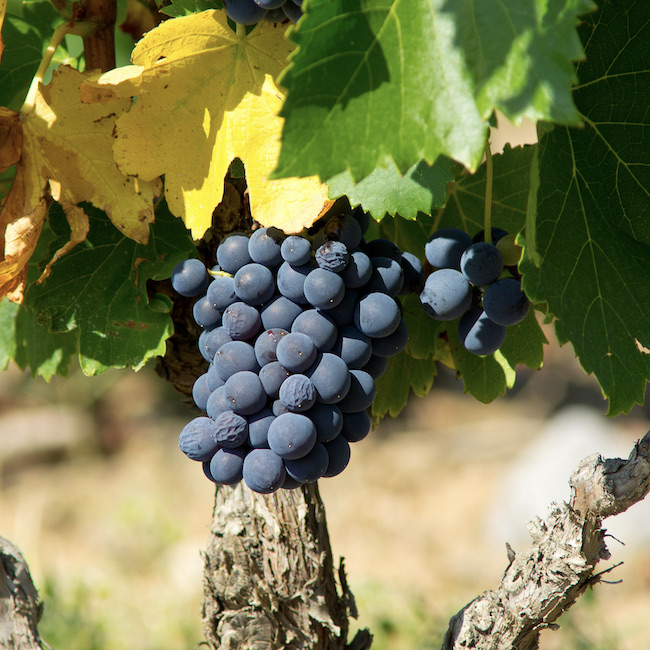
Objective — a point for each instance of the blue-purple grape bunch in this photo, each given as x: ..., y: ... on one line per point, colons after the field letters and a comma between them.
x: 470, y: 281
x: 296, y: 330
x: 249, y: 12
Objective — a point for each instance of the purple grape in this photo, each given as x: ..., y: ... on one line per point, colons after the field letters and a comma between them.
x: 446, y: 295
x: 190, y: 278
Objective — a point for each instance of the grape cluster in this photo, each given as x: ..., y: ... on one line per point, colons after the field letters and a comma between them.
x: 296, y: 329
x: 470, y: 281
x: 249, y: 12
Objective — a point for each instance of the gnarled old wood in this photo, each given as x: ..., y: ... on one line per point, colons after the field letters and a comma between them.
x: 542, y: 582
x: 20, y: 609
x: 269, y: 574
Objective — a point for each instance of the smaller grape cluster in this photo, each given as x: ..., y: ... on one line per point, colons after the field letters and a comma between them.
x: 249, y: 12
x: 470, y: 281
x: 296, y: 330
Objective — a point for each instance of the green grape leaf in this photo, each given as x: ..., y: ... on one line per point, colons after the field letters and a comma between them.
x: 45, y: 353
x: 376, y: 82
x: 99, y: 291
x: 24, y: 340
x: 8, y: 313
x: 422, y: 189
x: 187, y: 7
x: 25, y: 38
x: 525, y: 343
x: 510, y: 185
x: 402, y: 375
x: 593, y: 210
x: 423, y: 331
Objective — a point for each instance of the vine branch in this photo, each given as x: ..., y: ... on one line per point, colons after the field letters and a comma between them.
x: 541, y: 583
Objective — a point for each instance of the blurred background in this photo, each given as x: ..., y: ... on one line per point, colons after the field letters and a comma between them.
x: 112, y: 518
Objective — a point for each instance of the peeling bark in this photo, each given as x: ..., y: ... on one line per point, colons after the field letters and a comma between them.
x: 20, y: 608
x: 542, y: 582
x: 269, y: 575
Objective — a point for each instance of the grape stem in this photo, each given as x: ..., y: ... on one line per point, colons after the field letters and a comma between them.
x: 80, y: 29
x: 487, y: 214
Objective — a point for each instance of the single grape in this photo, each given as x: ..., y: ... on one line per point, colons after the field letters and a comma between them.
x: 232, y: 252
x: 392, y: 344
x: 242, y: 321
x: 413, y: 273
x: 211, y: 340
x: 361, y: 394
x: 377, y: 315
x: 387, y: 277
x: 233, y: 357
x: 245, y: 393
x: 280, y: 312
x: 478, y: 334
x: 197, y: 439
x: 265, y: 245
x: 331, y: 378
x: 332, y: 256
x: 356, y: 426
x: 263, y: 471
x: 217, y: 403
x: 510, y: 251
x: 445, y: 247
x: 296, y: 352
x: 230, y: 430
x: 258, y: 428
x: 291, y: 280
x: 353, y: 347
x: 327, y: 419
x: 190, y: 278
x: 345, y: 229
x: 296, y: 250
x: 292, y: 435
x: 310, y: 467
x: 505, y: 303
x: 383, y: 248
x: 205, y: 314
x: 221, y: 292
x: 358, y: 270
x: 446, y: 294
x: 318, y: 326
x: 481, y: 263
x: 201, y: 391
x: 272, y: 375
x: 338, y: 452
x: 254, y: 284
x: 297, y: 393
x: 226, y: 466
x: 266, y: 344
x: 324, y: 289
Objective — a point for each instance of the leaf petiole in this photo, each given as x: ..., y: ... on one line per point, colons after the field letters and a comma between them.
x: 80, y: 29
x: 487, y: 214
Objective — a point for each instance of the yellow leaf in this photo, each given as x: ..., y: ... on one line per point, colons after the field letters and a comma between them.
x: 205, y: 96
x: 3, y: 9
x: 66, y: 154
